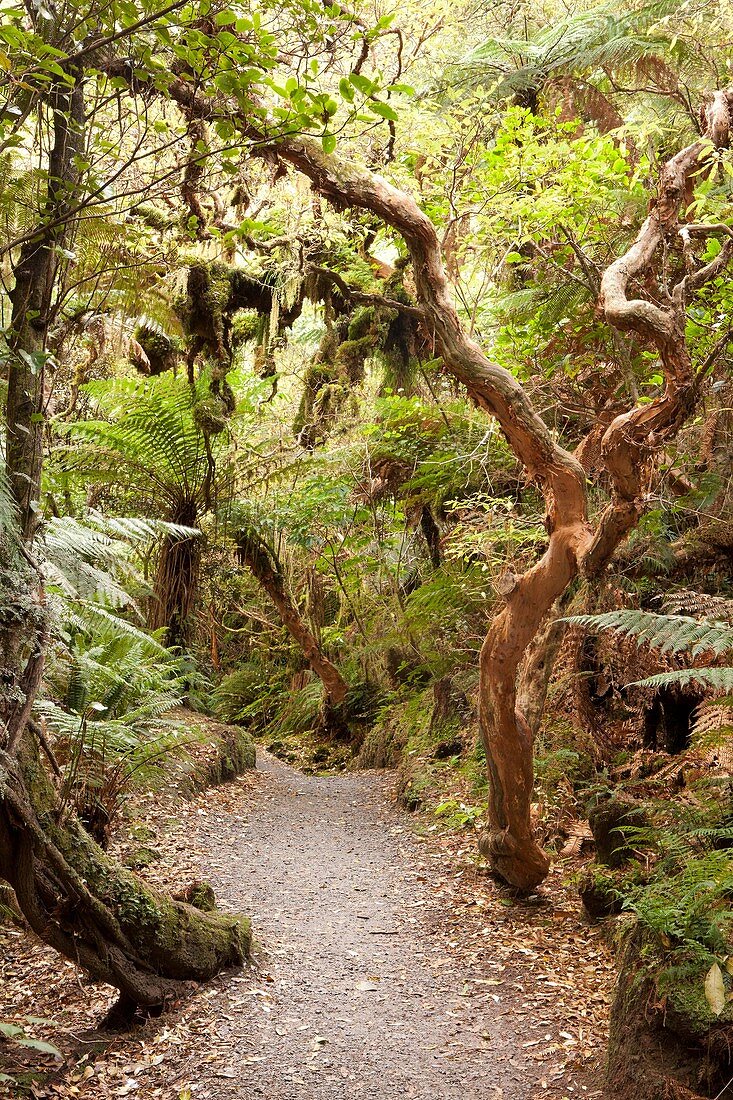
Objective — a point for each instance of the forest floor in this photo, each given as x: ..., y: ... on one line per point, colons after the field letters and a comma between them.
x: 386, y: 963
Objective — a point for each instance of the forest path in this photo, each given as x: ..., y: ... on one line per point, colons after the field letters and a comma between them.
x: 386, y: 963
x: 356, y: 992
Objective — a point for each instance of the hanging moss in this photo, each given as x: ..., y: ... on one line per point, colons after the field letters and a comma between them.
x: 352, y: 355
x: 320, y: 372
x: 162, y: 350
x: 363, y: 321
x: 247, y: 325
x: 215, y: 292
x: 153, y: 217
x: 210, y: 415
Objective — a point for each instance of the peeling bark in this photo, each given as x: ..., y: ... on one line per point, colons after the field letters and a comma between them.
x: 634, y: 438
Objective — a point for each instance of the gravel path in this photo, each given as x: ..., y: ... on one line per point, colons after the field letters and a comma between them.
x: 386, y: 966
x: 357, y: 999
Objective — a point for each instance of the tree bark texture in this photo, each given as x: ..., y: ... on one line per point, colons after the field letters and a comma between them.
x: 176, y: 579
x: 88, y: 907
x: 628, y: 448
x: 259, y: 560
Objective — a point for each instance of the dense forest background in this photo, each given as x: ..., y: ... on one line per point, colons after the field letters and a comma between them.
x: 367, y: 386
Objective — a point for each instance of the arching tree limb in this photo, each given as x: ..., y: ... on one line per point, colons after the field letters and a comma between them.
x: 628, y: 442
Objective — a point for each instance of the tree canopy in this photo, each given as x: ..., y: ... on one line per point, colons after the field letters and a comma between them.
x: 350, y: 355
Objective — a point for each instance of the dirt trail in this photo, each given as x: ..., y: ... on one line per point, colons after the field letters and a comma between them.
x: 362, y: 1001
x: 385, y: 965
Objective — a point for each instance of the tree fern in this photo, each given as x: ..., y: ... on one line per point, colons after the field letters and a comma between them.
x: 150, y: 441
x: 667, y: 633
x: 716, y: 679
x: 108, y: 694
x: 598, y: 39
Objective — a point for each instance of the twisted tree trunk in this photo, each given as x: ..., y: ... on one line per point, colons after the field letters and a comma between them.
x: 629, y: 443
x: 254, y: 553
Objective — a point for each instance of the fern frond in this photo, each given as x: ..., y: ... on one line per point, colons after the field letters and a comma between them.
x: 8, y: 509
x: 667, y: 633
x: 713, y: 721
x: 108, y: 626
x: 597, y: 39
x: 687, y: 602
x: 717, y: 679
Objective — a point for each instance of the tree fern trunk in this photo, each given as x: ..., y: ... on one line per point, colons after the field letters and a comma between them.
x: 176, y: 584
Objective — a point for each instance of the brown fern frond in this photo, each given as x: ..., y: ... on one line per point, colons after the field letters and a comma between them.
x: 698, y: 604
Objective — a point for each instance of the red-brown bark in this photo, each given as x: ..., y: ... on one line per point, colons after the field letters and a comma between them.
x: 629, y: 442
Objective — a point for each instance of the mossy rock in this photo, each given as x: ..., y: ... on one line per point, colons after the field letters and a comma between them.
x: 235, y: 754
x: 382, y: 746
x: 665, y: 1043
x: 141, y: 858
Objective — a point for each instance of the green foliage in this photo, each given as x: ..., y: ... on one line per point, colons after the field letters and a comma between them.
x: 108, y: 710
x: 92, y: 560
x: 8, y: 512
x: 685, y: 901
x: 675, y: 634
x: 457, y: 815
x: 252, y: 695
x: 19, y: 1032
x: 600, y: 39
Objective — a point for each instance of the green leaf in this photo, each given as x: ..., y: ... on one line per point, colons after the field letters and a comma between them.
x: 328, y: 141
x: 384, y: 110
x: 362, y: 83
x: 402, y: 89
x: 38, y: 1044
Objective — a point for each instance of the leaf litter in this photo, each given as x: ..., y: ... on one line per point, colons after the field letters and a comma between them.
x: 472, y: 993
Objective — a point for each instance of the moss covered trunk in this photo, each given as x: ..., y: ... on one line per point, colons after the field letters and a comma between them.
x: 664, y: 1042
x: 81, y: 902
x: 260, y: 559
